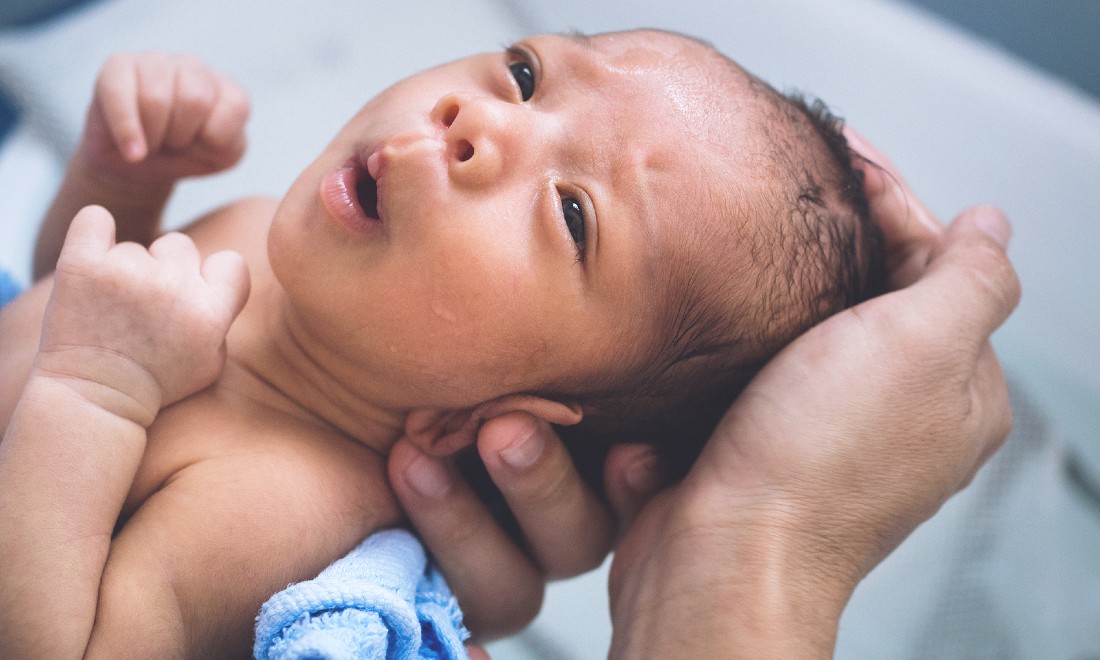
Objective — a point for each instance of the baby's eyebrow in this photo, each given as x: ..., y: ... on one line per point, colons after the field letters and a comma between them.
x: 577, y: 37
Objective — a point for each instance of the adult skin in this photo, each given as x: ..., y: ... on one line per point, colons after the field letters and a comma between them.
x: 798, y: 494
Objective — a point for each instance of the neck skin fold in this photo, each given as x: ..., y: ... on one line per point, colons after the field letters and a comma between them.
x: 274, y: 360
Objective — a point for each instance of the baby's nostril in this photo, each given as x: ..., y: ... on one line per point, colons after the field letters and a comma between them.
x: 450, y: 116
x: 465, y: 151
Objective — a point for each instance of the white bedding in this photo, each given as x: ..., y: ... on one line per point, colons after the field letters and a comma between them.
x: 964, y: 122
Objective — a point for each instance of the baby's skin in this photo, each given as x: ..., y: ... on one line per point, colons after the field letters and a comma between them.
x: 193, y: 425
x: 175, y: 490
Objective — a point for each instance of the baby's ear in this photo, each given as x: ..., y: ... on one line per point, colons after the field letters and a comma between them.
x: 445, y: 432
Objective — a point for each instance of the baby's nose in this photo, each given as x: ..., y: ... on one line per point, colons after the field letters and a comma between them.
x: 475, y: 133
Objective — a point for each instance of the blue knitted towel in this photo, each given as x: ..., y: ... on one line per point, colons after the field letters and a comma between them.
x: 383, y: 600
x: 9, y: 288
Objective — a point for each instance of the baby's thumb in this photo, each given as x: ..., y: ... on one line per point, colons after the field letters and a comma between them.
x: 92, y: 230
x: 227, y: 276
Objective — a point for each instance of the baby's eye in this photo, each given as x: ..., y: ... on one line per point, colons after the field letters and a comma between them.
x: 525, y: 78
x: 573, y: 213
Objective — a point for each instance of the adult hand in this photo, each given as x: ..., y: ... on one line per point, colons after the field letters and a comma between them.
x: 846, y: 441
x: 566, y: 528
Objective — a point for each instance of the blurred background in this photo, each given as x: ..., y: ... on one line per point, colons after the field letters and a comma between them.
x: 974, y: 101
x: 1061, y: 37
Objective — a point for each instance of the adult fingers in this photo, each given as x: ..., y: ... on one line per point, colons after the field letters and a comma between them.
x: 909, y: 228
x: 633, y: 474
x: 498, y: 586
x: 991, y: 405
x: 568, y: 529
x: 967, y: 292
x: 477, y: 652
x: 886, y: 189
x: 970, y: 273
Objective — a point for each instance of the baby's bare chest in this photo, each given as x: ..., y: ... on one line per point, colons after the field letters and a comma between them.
x: 216, y: 428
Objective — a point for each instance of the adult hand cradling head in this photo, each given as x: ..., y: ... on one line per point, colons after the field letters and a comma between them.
x: 851, y: 437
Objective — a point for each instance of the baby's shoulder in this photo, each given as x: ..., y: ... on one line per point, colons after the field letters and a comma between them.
x: 241, y: 225
x: 214, y: 439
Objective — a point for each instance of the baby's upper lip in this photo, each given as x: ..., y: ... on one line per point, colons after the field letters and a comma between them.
x: 376, y: 159
x: 373, y: 160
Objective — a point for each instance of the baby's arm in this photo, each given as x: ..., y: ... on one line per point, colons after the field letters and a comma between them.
x: 154, y: 119
x: 126, y: 332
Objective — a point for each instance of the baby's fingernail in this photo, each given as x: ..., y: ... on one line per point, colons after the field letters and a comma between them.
x: 525, y: 449
x: 993, y: 223
x: 644, y: 473
x: 133, y: 151
x: 428, y: 477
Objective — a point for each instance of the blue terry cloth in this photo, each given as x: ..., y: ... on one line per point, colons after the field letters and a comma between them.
x: 383, y: 600
x: 9, y: 288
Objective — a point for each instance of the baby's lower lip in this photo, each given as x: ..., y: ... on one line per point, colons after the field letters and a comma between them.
x: 341, y: 191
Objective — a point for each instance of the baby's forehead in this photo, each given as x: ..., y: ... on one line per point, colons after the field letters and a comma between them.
x: 707, y: 89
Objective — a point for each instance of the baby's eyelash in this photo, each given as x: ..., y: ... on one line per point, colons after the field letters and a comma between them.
x: 576, y: 221
x: 524, y: 70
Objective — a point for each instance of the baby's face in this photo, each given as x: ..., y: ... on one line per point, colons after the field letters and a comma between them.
x: 506, y: 222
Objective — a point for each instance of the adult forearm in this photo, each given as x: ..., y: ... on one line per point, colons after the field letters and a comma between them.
x: 757, y: 618
x: 137, y: 208
x: 710, y: 587
x: 66, y: 464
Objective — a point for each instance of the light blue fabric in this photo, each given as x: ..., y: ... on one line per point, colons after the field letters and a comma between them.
x: 383, y: 600
x: 9, y: 288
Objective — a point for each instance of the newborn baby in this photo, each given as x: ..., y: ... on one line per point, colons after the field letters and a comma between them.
x: 612, y: 232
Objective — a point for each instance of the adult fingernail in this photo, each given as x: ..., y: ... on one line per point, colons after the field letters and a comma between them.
x: 644, y: 473
x: 428, y: 477
x: 993, y: 223
x: 525, y: 449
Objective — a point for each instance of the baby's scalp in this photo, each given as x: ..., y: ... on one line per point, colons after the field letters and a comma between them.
x: 779, y: 239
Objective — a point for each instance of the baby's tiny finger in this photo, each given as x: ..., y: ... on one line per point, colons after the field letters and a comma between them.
x: 176, y: 248
x: 116, y: 98
x: 156, y: 88
x: 227, y: 275
x: 195, y: 95
x: 92, y: 230
x: 225, y: 125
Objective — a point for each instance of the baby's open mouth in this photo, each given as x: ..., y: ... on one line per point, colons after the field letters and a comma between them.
x: 366, y: 193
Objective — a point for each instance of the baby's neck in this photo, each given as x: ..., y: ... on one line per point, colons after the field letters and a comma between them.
x: 270, y: 362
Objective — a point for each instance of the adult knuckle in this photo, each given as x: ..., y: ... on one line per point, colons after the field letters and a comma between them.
x: 993, y: 274
x: 514, y: 609
x: 553, y: 489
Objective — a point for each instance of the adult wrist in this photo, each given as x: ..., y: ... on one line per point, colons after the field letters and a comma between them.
x: 734, y: 585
